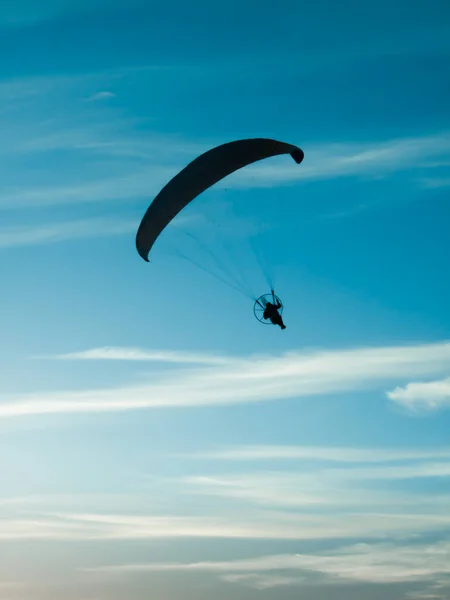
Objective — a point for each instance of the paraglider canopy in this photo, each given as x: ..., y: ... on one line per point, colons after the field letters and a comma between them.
x: 203, y: 172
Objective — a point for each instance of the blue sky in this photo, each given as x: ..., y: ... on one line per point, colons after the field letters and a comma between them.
x: 156, y: 440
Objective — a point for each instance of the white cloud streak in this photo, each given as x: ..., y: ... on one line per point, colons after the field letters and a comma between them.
x: 33, y: 235
x: 254, y: 379
x: 105, y: 95
x: 138, y: 184
x: 332, y: 454
x: 328, y: 161
x: 257, y: 524
x: 72, y: 527
x: 13, y: 236
x: 139, y: 354
x: 417, y: 396
x: 325, y: 161
x: 262, y: 581
x: 376, y: 563
x: 323, y: 505
x: 324, y: 489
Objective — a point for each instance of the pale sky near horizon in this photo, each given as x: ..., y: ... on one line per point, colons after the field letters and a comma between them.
x: 156, y: 441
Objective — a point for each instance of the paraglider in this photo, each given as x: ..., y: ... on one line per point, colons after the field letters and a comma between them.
x: 199, y: 175
x: 271, y: 312
x: 268, y: 309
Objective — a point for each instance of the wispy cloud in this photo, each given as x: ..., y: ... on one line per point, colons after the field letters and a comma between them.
x: 317, y: 453
x: 339, y: 495
x: 339, y: 490
x: 13, y: 236
x: 326, y: 505
x: 252, y: 379
x: 227, y: 523
x: 32, y: 235
x: 105, y: 95
x: 436, y: 182
x: 137, y: 184
x: 103, y: 526
x: 369, y: 563
x: 262, y: 581
x: 120, y: 158
x: 165, y: 157
x: 22, y: 13
x: 429, y: 395
x: 245, y: 525
x: 139, y: 354
x: 326, y: 161
x: 115, y: 158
